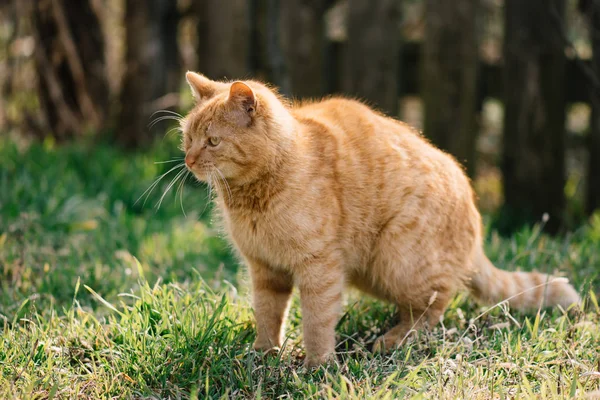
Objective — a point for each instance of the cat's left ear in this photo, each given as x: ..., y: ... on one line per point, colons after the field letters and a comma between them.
x: 243, y: 102
x: 202, y: 87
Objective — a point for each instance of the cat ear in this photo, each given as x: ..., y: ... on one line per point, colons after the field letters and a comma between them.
x: 202, y: 87
x: 242, y: 102
x: 243, y: 96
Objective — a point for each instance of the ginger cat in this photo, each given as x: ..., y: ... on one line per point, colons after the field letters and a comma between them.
x: 329, y: 194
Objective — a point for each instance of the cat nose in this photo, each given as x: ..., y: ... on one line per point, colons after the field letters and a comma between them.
x: 190, y: 160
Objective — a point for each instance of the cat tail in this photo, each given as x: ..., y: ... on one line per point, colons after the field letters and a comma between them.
x: 522, y: 290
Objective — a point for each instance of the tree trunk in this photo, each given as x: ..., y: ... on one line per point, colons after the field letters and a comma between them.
x: 9, y: 19
x: 224, y: 38
x: 533, y: 160
x: 70, y: 65
x: 152, y: 74
x: 372, y: 62
x: 168, y: 24
x: 303, y: 44
x: 591, y: 9
x: 277, y: 69
x: 450, y: 74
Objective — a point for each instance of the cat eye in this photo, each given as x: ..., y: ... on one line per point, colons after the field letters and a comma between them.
x: 214, y: 141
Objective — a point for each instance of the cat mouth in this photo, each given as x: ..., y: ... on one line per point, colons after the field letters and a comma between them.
x: 204, y: 168
x: 202, y: 172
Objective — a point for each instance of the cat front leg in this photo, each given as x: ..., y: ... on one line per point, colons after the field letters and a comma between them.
x: 321, y: 285
x: 271, y: 290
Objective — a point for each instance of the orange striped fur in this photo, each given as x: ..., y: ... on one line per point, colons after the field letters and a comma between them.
x: 331, y: 194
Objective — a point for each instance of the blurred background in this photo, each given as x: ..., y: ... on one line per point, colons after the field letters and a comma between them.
x: 510, y: 88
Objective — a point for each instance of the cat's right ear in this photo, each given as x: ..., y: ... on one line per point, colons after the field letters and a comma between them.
x: 202, y: 87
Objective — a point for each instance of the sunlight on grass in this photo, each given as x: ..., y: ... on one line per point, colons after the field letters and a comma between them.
x: 80, y: 317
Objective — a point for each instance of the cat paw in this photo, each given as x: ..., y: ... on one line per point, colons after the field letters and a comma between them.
x: 315, y: 361
x: 266, y: 348
x: 273, y: 351
x: 384, y: 345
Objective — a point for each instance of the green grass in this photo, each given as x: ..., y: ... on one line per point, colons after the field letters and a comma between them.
x: 80, y: 317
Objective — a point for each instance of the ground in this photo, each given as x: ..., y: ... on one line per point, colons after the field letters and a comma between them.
x: 81, y: 317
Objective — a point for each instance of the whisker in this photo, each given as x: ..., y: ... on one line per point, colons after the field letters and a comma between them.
x: 174, y: 182
x: 217, y: 183
x: 180, y: 191
x: 175, y: 129
x: 179, y: 174
x: 225, y: 181
x: 166, y: 112
x: 155, y: 184
x: 209, y: 184
x: 163, y: 118
x: 221, y: 185
x: 168, y: 161
x: 210, y: 181
x: 156, y: 181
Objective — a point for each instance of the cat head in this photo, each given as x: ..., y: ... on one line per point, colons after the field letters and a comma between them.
x: 235, y: 130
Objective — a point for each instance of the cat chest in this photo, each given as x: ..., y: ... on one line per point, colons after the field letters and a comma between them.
x: 279, y: 241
